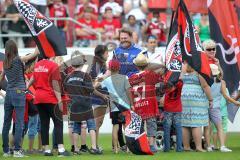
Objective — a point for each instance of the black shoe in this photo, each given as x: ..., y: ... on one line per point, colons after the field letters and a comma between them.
x: 48, y: 154
x: 94, y: 151
x: 77, y: 153
x: 73, y: 148
x: 84, y: 149
x: 64, y: 154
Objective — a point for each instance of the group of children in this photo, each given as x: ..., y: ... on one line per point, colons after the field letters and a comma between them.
x: 136, y: 92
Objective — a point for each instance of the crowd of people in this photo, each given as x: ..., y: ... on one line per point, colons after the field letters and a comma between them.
x: 40, y: 89
x: 51, y: 89
x: 97, y: 21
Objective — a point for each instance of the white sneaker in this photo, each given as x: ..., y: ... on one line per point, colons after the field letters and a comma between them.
x: 209, y: 149
x: 18, y: 154
x: 225, y: 149
x: 7, y: 154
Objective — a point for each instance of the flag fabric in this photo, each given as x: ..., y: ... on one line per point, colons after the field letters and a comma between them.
x: 44, y: 32
x: 224, y: 31
x: 232, y: 111
x: 184, y: 45
x: 136, y: 137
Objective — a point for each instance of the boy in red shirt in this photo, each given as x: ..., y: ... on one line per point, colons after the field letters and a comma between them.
x: 144, y: 96
x: 109, y: 26
x: 172, y: 115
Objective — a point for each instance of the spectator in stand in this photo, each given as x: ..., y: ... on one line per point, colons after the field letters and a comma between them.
x: 202, y: 27
x: 109, y: 27
x: 4, y: 24
x: 58, y: 10
x: 116, y: 8
x: 16, y: 25
x: 40, y: 5
x: 135, y: 28
x: 138, y: 8
x: 157, y: 28
x: 82, y: 6
x: 86, y: 36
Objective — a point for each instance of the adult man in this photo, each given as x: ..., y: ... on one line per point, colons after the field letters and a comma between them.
x: 156, y: 59
x: 126, y: 52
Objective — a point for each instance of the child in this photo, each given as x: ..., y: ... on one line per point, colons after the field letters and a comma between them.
x: 218, y: 89
x: 224, y: 114
x: 172, y: 115
x: 118, y: 88
x: 144, y: 96
x: 79, y: 87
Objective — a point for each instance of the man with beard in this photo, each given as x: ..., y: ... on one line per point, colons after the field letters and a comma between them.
x: 126, y: 52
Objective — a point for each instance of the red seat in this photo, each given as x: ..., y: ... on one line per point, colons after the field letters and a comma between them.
x: 161, y: 4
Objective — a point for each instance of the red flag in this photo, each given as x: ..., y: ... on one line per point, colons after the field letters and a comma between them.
x: 224, y: 30
x: 44, y: 32
x: 184, y: 44
x: 136, y: 137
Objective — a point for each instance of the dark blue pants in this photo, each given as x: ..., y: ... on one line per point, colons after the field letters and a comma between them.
x: 13, y: 100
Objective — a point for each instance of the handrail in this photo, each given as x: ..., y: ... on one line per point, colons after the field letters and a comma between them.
x: 98, y: 34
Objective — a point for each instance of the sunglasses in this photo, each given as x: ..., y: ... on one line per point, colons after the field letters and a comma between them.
x: 210, y: 49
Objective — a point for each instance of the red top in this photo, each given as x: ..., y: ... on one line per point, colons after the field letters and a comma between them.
x: 154, y: 29
x: 45, y: 71
x: 92, y: 24
x: 143, y: 92
x: 58, y: 10
x: 172, y: 100
x: 110, y: 27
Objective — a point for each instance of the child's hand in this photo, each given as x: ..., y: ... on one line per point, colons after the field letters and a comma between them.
x: 237, y: 103
x: 132, y: 108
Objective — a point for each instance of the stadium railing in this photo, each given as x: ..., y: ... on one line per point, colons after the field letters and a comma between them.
x: 98, y: 34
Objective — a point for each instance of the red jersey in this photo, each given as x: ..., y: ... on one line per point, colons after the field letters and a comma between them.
x: 172, y: 100
x: 45, y: 71
x: 92, y: 24
x: 58, y: 10
x: 110, y: 27
x: 143, y: 92
x: 154, y: 29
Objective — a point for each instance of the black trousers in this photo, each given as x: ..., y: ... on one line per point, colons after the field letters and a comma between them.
x: 47, y: 111
x: 120, y: 136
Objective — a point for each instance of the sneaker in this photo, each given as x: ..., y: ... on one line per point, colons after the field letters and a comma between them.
x: 72, y: 148
x: 153, y: 149
x: 225, y: 149
x: 123, y: 148
x: 94, y: 151
x: 11, y: 151
x: 84, y: 149
x: 209, y: 149
x: 18, y: 154
x: 76, y: 153
x: 100, y: 148
x: 48, y: 154
x: 64, y: 154
x: 7, y: 154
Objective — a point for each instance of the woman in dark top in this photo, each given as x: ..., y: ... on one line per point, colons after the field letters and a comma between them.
x: 13, y: 68
x: 98, y: 73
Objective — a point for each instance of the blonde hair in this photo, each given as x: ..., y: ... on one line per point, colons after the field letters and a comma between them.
x: 209, y: 43
x: 58, y: 59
